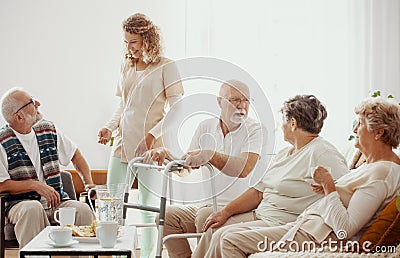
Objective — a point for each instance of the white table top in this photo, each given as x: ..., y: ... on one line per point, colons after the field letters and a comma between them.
x: 127, y: 241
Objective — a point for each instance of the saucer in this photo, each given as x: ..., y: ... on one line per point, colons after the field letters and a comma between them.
x: 62, y: 245
x: 86, y: 239
x: 89, y: 239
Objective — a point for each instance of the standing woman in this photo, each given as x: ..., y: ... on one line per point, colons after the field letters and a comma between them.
x: 147, y: 83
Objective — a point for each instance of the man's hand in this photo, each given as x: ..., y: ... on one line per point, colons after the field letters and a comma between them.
x: 155, y: 155
x: 215, y: 220
x: 197, y: 158
x: 89, y: 186
x: 104, y: 136
x: 48, y: 192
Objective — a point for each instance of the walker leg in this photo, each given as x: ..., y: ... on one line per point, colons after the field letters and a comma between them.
x: 163, y: 203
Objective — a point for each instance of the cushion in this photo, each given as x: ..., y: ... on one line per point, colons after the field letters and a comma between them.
x: 385, y: 229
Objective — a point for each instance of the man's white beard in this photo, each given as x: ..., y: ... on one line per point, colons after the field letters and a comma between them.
x: 34, y: 119
x: 239, y: 116
x: 39, y: 116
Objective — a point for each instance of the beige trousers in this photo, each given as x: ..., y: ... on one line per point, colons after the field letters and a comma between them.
x: 183, y: 219
x: 30, y: 218
x: 243, y: 239
x: 208, y: 239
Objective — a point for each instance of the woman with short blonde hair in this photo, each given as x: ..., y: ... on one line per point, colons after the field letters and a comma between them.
x: 381, y: 114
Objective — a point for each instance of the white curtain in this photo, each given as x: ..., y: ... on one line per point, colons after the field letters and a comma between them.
x: 375, y: 59
x: 290, y: 47
x: 385, y: 46
x: 341, y: 51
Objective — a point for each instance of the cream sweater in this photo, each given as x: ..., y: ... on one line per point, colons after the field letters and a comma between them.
x: 359, y: 197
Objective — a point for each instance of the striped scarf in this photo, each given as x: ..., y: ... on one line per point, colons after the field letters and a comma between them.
x: 20, y: 166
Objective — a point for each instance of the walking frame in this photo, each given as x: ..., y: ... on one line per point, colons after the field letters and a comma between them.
x: 172, y: 166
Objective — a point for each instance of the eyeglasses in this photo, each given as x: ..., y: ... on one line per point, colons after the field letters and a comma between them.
x: 237, y: 101
x: 27, y: 104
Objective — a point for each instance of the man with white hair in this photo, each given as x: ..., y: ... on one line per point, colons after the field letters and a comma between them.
x: 31, y: 150
x: 234, y: 144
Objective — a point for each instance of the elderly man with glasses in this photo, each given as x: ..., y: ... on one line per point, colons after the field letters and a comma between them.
x: 31, y: 150
x: 234, y: 144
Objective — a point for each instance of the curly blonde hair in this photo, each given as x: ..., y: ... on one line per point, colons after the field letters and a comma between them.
x: 382, y: 114
x: 140, y: 24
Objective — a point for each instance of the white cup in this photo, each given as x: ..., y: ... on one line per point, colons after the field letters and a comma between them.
x: 66, y: 214
x: 312, y: 170
x: 61, y: 236
x: 107, y: 232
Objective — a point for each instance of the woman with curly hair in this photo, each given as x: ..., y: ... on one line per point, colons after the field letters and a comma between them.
x: 147, y: 83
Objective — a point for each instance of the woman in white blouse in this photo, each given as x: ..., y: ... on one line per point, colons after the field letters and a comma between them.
x: 284, y: 192
x: 147, y: 83
x: 350, y: 204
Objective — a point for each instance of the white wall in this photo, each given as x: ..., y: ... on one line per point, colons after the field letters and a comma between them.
x: 67, y: 54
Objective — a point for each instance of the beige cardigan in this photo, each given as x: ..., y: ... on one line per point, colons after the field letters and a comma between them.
x: 143, y: 101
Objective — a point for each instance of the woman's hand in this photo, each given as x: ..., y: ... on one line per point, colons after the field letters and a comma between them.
x: 317, y: 188
x: 215, y: 220
x: 145, y: 144
x: 155, y: 155
x: 325, y: 181
x: 104, y: 136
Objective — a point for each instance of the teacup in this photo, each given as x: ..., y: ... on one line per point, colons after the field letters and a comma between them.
x: 66, y: 214
x: 107, y: 232
x: 61, y: 236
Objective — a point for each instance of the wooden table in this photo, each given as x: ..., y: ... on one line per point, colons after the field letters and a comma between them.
x: 126, y: 245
